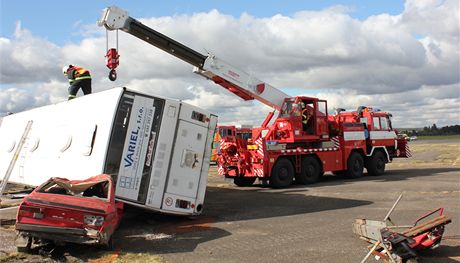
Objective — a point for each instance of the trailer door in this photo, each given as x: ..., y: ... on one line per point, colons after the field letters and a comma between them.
x: 187, y: 160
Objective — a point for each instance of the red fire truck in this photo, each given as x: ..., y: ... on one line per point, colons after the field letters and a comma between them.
x: 230, y: 133
x: 302, y: 143
x: 343, y: 143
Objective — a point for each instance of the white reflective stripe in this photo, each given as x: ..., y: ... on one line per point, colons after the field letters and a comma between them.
x: 408, y: 153
x: 310, y: 150
x: 258, y: 172
x: 336, y: 141
x: 260, y: 149
x: 353, y: 136
x: 375, y: 135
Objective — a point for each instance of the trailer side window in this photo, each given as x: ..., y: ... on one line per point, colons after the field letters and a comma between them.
x: 88, y: 137
x: 10, y: 147
x: 34, y: 145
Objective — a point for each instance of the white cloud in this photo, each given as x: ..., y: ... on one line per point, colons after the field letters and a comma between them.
x: 407, y: 64
x: 27, y: 59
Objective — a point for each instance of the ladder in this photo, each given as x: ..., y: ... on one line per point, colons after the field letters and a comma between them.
x: 15, y: 157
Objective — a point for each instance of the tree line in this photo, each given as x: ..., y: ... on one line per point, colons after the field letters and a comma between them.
x: 434, y: 130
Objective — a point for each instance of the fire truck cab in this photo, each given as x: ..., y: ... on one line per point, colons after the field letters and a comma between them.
x: 301, y: 119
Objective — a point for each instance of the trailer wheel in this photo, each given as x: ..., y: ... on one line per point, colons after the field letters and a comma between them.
x: 282, y: 174
x: 355, y: 165
x: 244, y: 181
x: 310, y: 171
x: 376, y: 164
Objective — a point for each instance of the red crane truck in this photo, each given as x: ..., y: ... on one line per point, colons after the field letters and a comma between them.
x: 302, y: 143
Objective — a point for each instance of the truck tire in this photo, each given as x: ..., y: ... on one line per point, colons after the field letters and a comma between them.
x: 376, y: 164
x: 282, y: 174
x: 355, y: 165
x: 340, y: 173
x: 310, y: 171
x: 244, y: 181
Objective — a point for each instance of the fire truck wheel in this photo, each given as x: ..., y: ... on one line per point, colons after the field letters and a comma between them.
x: 282, y: 174
x: 340, y: 173
x: 376, y: 164
x: 244, y: 181
x: 310, y: 171
x: 355, y: 165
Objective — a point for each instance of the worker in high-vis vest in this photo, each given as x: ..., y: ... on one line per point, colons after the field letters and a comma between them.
x: 306, y: 117
x: 78, y: 78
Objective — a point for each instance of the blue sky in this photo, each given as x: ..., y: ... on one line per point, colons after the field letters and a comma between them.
x: 396, y: 55
x: 58, y: 21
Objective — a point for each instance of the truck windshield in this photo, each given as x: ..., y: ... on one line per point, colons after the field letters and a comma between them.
x: 224, y: 132
x: 287, y: 109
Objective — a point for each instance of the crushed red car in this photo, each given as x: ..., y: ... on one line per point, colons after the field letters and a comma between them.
x: 76, y: 211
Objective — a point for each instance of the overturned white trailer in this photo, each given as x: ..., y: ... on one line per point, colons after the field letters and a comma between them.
x: 157, y: 149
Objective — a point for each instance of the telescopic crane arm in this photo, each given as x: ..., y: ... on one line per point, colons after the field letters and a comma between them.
x: 236, y: 81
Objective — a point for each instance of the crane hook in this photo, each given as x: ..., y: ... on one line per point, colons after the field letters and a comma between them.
x: 113, y: 75
x: 112, y: 58
x: 112, y: 62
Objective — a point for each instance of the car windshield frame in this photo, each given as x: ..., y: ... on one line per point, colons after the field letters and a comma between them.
x: 97, y: 189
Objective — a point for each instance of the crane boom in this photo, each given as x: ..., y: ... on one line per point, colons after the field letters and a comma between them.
x: 231, y: 78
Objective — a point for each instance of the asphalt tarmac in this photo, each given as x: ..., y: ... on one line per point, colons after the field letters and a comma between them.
x: 297, y: 224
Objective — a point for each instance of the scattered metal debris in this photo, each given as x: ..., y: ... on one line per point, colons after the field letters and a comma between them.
x: 400, y: 243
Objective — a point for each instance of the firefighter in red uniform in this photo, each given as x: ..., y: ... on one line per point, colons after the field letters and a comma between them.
x: 78, y: 78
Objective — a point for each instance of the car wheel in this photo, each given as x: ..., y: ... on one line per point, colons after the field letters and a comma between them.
x: 282, y: 174
x: 109, y: 244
